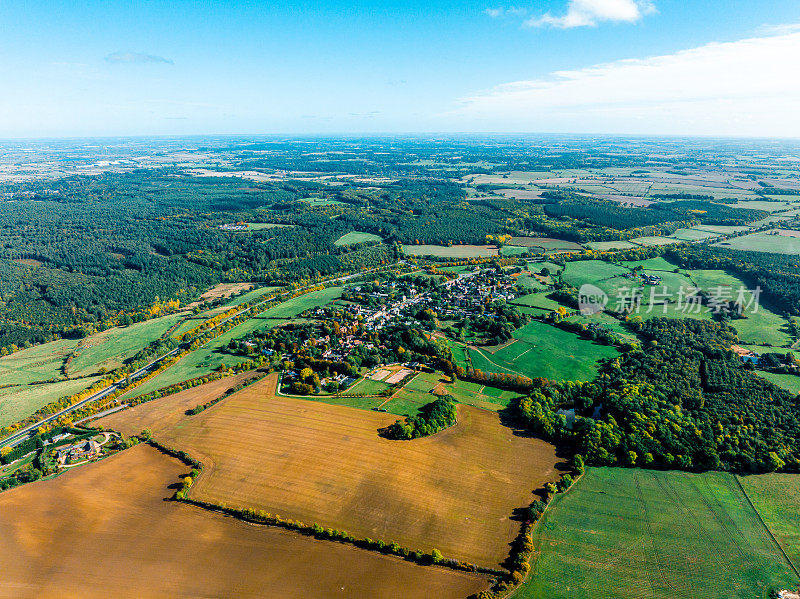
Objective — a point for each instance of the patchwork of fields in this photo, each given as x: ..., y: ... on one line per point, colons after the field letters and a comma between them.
x: 106, y: 531
x: 454, y: 491
x: 629, y: 533
x: 761, y: 325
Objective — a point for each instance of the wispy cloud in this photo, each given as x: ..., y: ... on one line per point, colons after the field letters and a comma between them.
x: 744, y: 87
x: 588, y: 13
x: 136, y: 58
x: 779, y: 29
x: 500, y: 11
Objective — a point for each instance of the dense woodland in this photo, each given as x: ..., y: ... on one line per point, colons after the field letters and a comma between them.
x: 684, y: 401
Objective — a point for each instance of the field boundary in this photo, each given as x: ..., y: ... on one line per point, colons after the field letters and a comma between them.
x: 262, y: 518
x: 764, y: 524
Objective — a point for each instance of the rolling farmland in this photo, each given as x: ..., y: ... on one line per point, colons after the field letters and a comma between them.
x: 105, y: 530
x: 323, y: 463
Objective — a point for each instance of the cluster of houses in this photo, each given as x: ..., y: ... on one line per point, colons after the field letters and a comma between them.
x: 233, y: 227
x: 647, y: 279
x: 650, y: 279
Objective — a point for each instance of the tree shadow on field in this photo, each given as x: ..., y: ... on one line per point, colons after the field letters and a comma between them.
x: 510, y: 420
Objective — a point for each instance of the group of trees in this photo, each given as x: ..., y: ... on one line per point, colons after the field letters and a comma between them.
x: 684, y: 401
x: 432, y: 418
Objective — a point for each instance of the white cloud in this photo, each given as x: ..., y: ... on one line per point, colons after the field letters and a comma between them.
x: 512, y: 11
x: 779, y: 29
x: 747, y: 87
x: 588, y: 13
x: 136, y: 58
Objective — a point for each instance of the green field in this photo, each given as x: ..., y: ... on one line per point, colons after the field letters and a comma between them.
x: 530, y: 282
x: 629, y: 533
x: 545, y: 351
x: 111, y: 348
x: 513, y: 250
x: 777, y: 499
x: 37, y: 363
x: 20, y: 396
x: 790, y: 382
x: 761, y: 326
x: 537, y: 300
x: 453, y: 251
x: 764, y: 242
x: 249, y: 296
x: 293, y: 307
x: 21, y: 401
x: 590, y: 271
x: 655, y: 240
x: 356, y: 237
x: 368, y: 387
x: 692, y: 234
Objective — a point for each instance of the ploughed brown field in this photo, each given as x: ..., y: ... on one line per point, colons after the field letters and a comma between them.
x: 167, y: 411
x: 454, y: 491
x: 104, y: 530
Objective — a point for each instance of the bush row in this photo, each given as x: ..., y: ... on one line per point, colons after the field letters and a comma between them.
x: 228, y: 393
x: 315, y: 530
x: 518, y: 561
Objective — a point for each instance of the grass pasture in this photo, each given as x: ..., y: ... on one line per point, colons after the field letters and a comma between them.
x: 790, y: 382
x: 109, y: 523
x: 356, y: 237
x: 22, y: 373
x: 37, y: 363
x: 542, y: 350
x: 513, y: 250
x: 764, y: 242
x: 454, y: 491
x: 777, y: 499
x: 21, y: 401
x: 628, y: 533
x: 453, y: 251
x: 761, y: 326
x: 111, y: 348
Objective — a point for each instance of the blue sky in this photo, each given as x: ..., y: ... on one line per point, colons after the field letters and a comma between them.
x: 593, y: 66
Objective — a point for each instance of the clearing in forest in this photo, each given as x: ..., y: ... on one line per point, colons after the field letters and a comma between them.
x: 452, y: 251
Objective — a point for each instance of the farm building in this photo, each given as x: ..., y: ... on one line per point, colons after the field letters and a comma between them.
x: 745, y: 355
x: 84, y: 450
